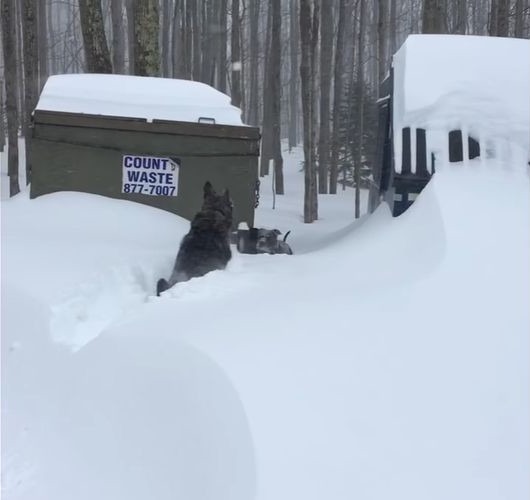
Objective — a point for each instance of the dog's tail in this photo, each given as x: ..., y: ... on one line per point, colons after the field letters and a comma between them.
x: 286, y: 234
x: 161, y: 286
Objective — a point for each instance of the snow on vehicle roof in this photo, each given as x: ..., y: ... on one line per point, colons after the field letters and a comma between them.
x: 478, y: 84
x: 137, y: 97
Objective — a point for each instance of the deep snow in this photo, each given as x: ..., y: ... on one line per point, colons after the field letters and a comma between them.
x: 388, y: 358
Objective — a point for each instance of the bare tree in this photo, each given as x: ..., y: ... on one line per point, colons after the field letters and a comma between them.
x: 360, y: 110
x: 382, y: 38
x: 222, y: 73
x: 326, y: 58
x: 97, y: 56
x: 129, y: 8
x: 31, y: 70
x: 434, y: 16
x: 294, y: 77
x: 338, y: 91
x: 10, y: 71
x: 166, y: 36
x: 309, y: 21
x: 236, y: 55
x: 253, y: 99
x: 146, y: 49
x: 42, y: 45
x: 118, y: 37
x: 503, y: 12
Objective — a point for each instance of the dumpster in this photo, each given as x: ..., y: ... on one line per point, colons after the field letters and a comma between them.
x: 150, y: 140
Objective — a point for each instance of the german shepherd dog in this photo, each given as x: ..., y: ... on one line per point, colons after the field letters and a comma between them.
x: 206, y: 247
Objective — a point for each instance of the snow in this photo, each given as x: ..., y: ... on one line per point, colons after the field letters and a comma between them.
x: 137, y: 97
x: 388, y: 358
x: 476, y: 84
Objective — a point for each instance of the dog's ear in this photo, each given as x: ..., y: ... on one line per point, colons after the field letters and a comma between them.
x: 227, y: 195
x: 277, y: 231
x: 208, y: 189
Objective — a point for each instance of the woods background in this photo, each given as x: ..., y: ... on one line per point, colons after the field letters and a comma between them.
x: 305, y: 71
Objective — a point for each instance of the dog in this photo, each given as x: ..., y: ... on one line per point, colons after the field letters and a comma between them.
x: 206, y: 247
x: 260, y: 240
x: 268, y: 242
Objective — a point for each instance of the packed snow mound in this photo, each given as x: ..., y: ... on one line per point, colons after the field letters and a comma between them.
x: 137, y: 97
x: 479, y: 85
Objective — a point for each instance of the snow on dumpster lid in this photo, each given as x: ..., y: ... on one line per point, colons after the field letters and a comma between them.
x: 137, y: 97
x: 480, y: 83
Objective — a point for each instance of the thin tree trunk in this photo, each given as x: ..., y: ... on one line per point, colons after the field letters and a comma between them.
x: 519, y: 19
x: 275, y: 83
x: 166, y: 36
x: 146, y: 28
x: 97, y: 56
x: 294, y: 38
x: 253, y: 107
x: 337, y: 95
x: 236, y: 55
x: 382, y: 38
x: 503, y: 12
x: 393, y: 28
x: 434, y: 13
x: 118, y: 38
x: 196, y: 39
x: 10, y: 72
x: 31, y: 66
x: 360, y: 114
x: 309, y: 13
x: 42, y: 44
x: 223, y: 17
x: 129, y: 7
x: 326, y: 56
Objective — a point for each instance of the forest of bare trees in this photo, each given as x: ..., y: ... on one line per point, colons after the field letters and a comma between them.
x: 305, y: 71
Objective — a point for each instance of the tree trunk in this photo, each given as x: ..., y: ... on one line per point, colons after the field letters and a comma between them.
x: 434, y: 16
x: 337, y: 95
x: 309, y: 14
x: 461, y: 17
x: 503, y: 12
x: 10, y: 72
x: 97, y: 56
x: 31, y: 70
x: 294, y: 38
x: 129, y: 7
x: 382, y: 38
x: 393, y: 28
x: 146, y: 49
x: 236, y: 55
x: 519, y: 19
x: 326, y: 56
x: 275, y: 84
x: 42, y: 44
x: 222, y: 73
x: 252, y: 104
x: 360, y: 111
x: 166, y: 36
x: 196, y: 39
x: 118, y: 38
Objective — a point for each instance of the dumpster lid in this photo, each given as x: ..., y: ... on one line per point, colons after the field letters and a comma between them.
x: 142, y: 97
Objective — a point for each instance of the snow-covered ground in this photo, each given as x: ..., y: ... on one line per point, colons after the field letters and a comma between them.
x: 387, y: 358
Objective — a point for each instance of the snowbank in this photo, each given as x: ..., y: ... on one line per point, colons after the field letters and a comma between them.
x: 383, y: 360
x: 137, y: 97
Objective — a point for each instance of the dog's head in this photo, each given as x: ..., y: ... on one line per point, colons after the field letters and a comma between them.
x: 267, y: 240
x: 219, y: 203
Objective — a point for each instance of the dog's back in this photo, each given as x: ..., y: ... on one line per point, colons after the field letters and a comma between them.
x: 206, y: 247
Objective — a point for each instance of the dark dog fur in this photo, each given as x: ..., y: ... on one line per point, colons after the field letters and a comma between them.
x: 206, y: 247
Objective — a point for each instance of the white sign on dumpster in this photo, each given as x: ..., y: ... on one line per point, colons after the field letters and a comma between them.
x: 149, y: 175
